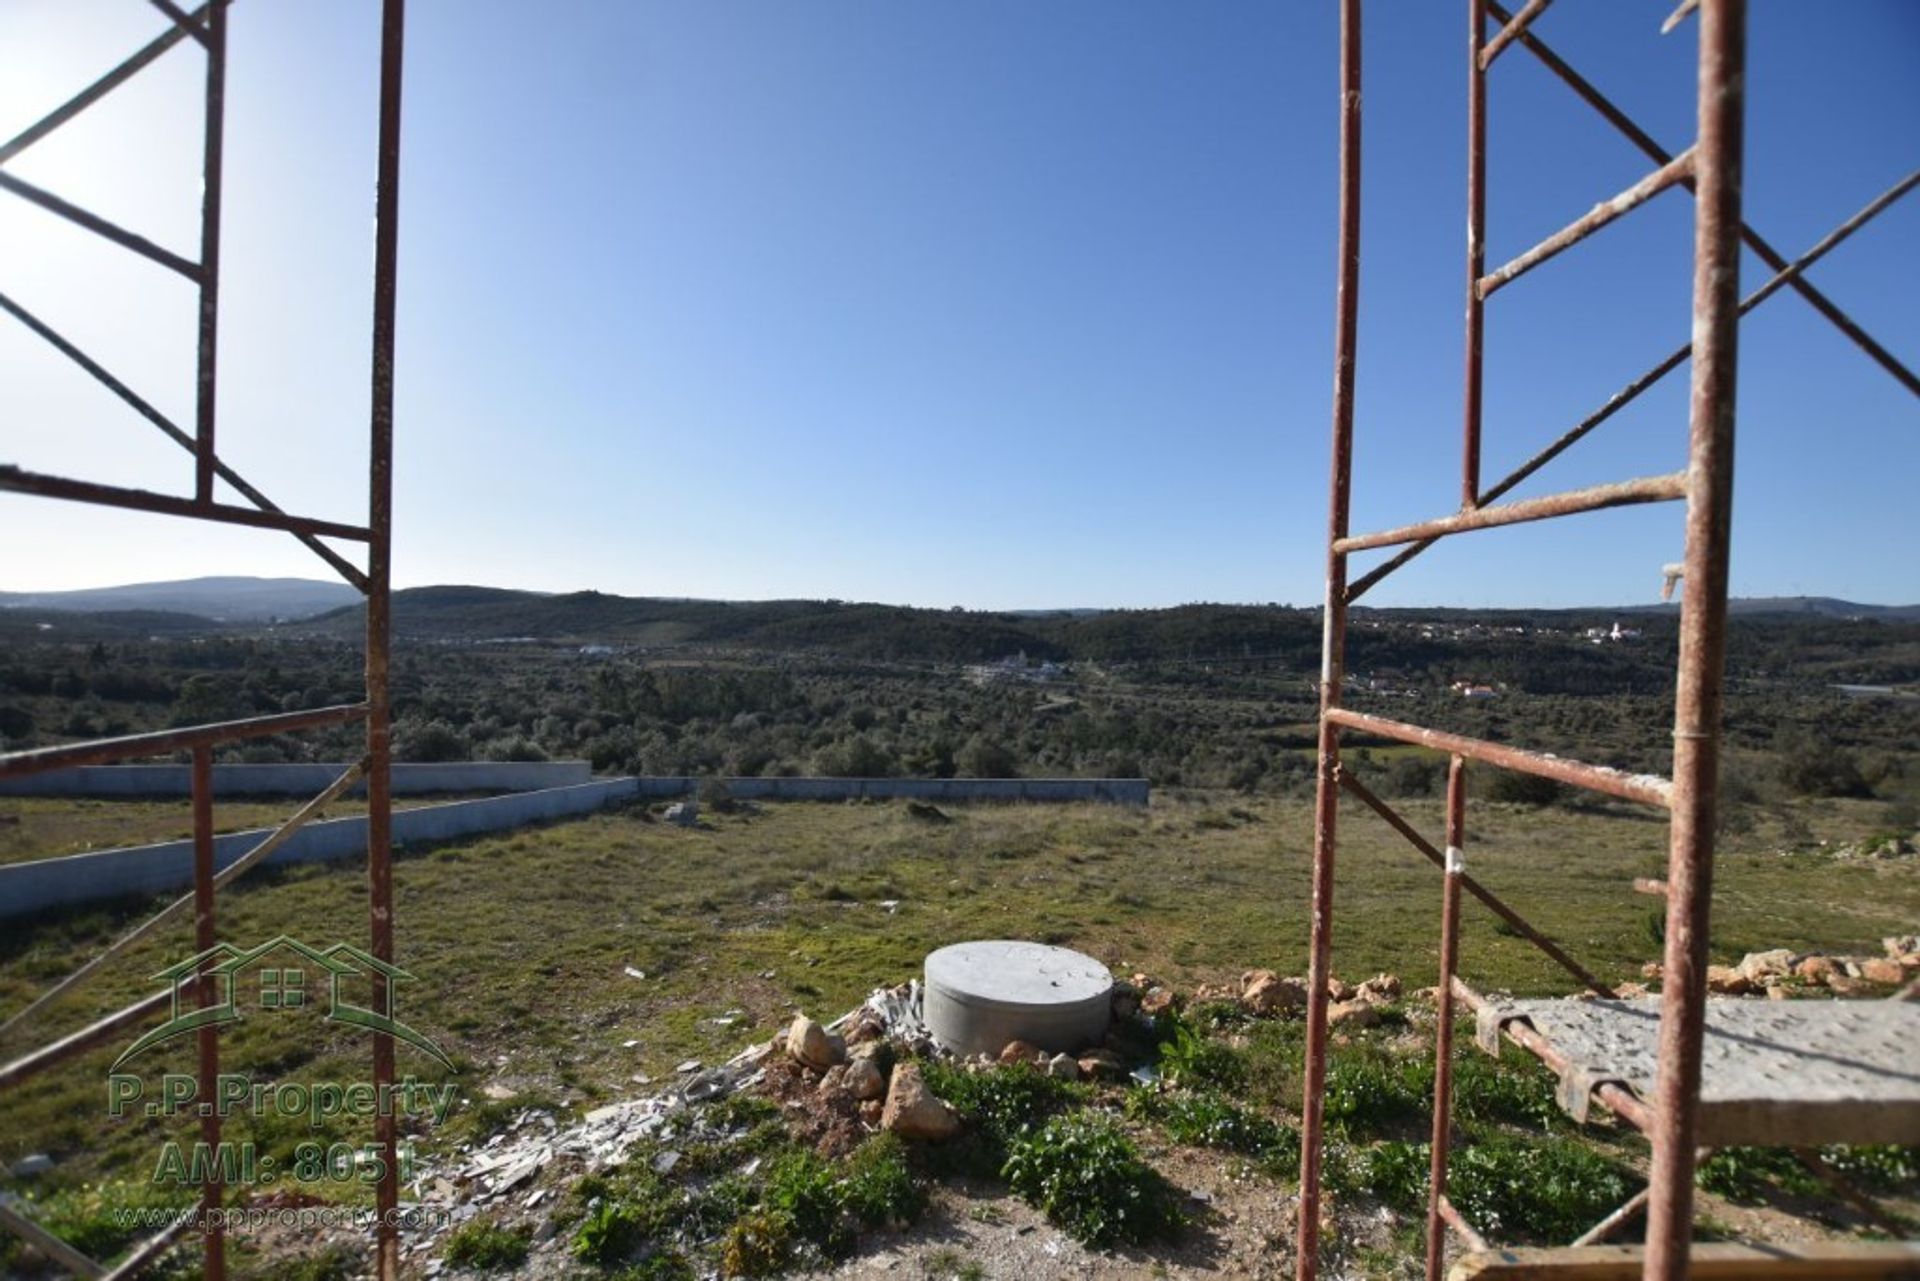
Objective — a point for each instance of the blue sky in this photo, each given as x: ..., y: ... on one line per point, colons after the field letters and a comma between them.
x: 996, y: 304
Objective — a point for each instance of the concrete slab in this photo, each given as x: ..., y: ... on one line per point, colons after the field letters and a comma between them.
x: 1772, y: 1072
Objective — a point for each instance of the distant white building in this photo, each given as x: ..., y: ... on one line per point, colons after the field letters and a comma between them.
x: 1015, y: 667
x: 1612, y: 635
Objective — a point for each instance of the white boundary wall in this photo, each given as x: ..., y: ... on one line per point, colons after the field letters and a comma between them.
x: 51, y: 883
x: 296, y: 779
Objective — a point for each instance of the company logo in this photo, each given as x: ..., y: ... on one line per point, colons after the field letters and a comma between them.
x: 273, y: 976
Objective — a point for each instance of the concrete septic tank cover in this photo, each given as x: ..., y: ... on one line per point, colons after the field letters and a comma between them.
x: 979, y: 996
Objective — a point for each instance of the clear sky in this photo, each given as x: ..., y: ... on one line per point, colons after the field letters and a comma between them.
x: 998, y: 304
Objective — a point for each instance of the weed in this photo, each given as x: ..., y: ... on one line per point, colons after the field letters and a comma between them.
x: 484, y: 1244
x: 1274, y: 1056
x: 1877, y: 1168
x: 805, y: 1191
x: 1189, y: 1057
x: 758, y: 1245
x: 1518, y: 1189
x: 1086, y: 1177
x: 1514, y: 1089
x: 1004, y: 1103
x: 99, y: 1220
x: 1539, y: 1190
x: 1205, y: 1119
x: 1748, y: 1174
x: 742, y: 1111
x: 668, y: 1265
x: 1370, y: 1092
x: 611, y: 1231
x: 880, y: 1188
x: 949, y: 1264
x: 1218, y: 1015
x: 330, y: 1263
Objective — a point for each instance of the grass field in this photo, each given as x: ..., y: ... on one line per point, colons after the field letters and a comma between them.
x: 521, y: 944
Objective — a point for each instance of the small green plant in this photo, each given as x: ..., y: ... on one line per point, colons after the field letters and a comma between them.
x: 1085, y: 1176
x: 1190, y: 1057
x: 826, y: 1203
x: 1396, y: 1172
x: 742, y: 1111
x: 879, y: 1187
x: 1536, y: 1190
x: 758, y: 1245
x: 611, y: 1231
x: 1524, y: 1190
x: 1205, y: 1119
x: 1218, y: 1015
x: 1877, y: 1168
x: 99, y: 1219
x: 329, y: 1263
x: 486, y: 1245
x: 949, y: 1264
x: 668, y: 1265
x: 1370, y: 1092
x: 1274, y: 1055
x: 1513, y: 1089
x: 1748, y: 1174
x: 1004, y: 1103
x: 806, y: 1193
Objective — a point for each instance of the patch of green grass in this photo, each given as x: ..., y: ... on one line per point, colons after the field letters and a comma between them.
x: 1883, y: 1167
x: 1206, y: 1119
x: 1372, y: 1092
x: 519, y: 949
x: 1088, y: 1179
x: 949, y: 1264
x: 329, y: 1263
x: 668, y: 1265
x: 484, y: 1244
x: 1514, y: 1089
x: 1522, y: 1190
x: 1274, y: 1055
x: 93, y: 1219
x: 1750, y: 1174
x: 1003, y: 1104
x: 879, y: 1185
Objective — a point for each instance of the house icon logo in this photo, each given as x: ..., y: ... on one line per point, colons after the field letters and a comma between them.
x: 275, y: 975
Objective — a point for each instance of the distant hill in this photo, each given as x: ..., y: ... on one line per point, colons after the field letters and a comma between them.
x: 233, y: 600
x: 863, y: 630
x: 1807, y: 606
x: 72, y: 625
x: 1824, y: 606
x: 1188, y: 633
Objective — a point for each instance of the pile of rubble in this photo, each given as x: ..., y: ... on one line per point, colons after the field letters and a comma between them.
x: 1782, y: 974
x: 1264, y: 993
x: 836, y: 1083
x: 1875, y: 847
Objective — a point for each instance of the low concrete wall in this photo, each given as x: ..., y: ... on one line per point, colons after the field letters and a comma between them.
x: 49, y: 883
x: 157, y: 869
x: 297, y: 780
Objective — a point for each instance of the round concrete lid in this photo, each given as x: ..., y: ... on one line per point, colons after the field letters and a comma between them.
x: 1010, y: 974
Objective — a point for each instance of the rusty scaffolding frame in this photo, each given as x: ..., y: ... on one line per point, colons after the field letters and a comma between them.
x: 206, y: 26
x: 1711, y: 170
